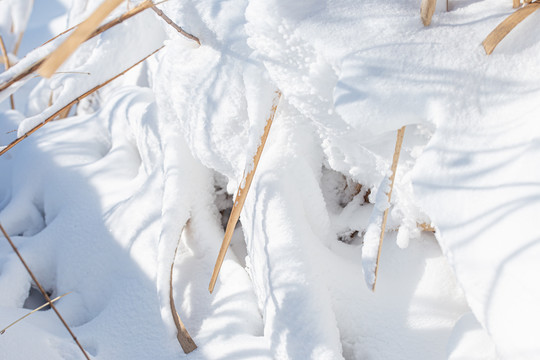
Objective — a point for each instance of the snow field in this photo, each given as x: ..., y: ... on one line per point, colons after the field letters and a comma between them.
x: 98, y: 202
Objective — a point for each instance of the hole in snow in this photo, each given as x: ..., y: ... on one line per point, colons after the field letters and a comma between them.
x: 339, y: 190
x: 35, y: 299
x: 345, y: 200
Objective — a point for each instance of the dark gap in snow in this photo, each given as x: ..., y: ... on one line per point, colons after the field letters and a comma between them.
x: 339, y: 190
x: 35, y: 299
x: 347, y: 237
x: 344, y: 197
x: 224, y: 204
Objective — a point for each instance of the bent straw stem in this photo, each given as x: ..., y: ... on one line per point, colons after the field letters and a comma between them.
x: 185, y: 340
x: 175, y: 26
x: 42, y: 290
x: 397, y: 150
x: 507, y: 25
x: 241, y: 195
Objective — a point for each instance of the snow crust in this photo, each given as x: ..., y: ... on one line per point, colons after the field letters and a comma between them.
x: 98, y: 202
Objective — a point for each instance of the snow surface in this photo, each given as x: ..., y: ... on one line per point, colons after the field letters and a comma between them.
x: 98, y: 202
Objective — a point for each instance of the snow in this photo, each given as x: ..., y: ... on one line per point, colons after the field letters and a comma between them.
x: 370, y: 248
x: 98, y: 202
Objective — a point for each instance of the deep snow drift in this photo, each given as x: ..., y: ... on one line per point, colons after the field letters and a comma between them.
x: 97, y: 202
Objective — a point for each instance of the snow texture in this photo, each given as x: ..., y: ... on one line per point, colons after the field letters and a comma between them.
x: 98, y: 202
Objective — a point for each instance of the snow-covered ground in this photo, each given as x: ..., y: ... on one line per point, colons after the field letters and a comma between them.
x: 97, y: 202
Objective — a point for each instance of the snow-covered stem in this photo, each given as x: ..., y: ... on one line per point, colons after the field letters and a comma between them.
x: 504, y: 28
x: 71, y: 103
x: 185, y: 340
x: 397, y: 151
x: 7, y: 65
x: 136, y: 10
x: 241, y: 194
x: 31, y: 312
x: 42, y: 290
x: 175, y: 26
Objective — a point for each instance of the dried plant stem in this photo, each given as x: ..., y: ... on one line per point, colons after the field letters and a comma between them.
x: 79, y: 35
x: 399, y: 142
x: 21, y: 75
x: 31, y: 312
x: 65, y: 112
x: 42, y: 290
x: 4, y: 53
x: 176, y: 27
x: 516, y: 4
x: 423, y: 226
x: 136, y: 10
x: 426, y: 227
x: 241, y: 195
x: 496, y: 36
x: 18, y: 43
x: 185, y: 340
x: 427, y: 8
x: 7, y: 65
x: 71, y: 103
x: 130, y: 13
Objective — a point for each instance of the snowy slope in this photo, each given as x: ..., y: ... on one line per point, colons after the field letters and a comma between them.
x: 98, y: 202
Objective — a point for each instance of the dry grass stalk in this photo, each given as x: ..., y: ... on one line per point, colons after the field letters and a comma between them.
x: 516, y: 4
x: 185, y: 340
x: 422, y: 226
x: 496, y: 36
x: 31, y: 312
x: 7, y: 65
x: 18, y: 43
x: 426, y: 227
x: 5, y: 58
x: 241, y: 195
x: 397, y: 151
x: 138, y: 9
x: 81, y: 33
x: 175, y: 26
x: 130, y: 13
x: 427, y: 8
x: 42, y: 290
x: 64, y: 114
x: 71, y: 103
